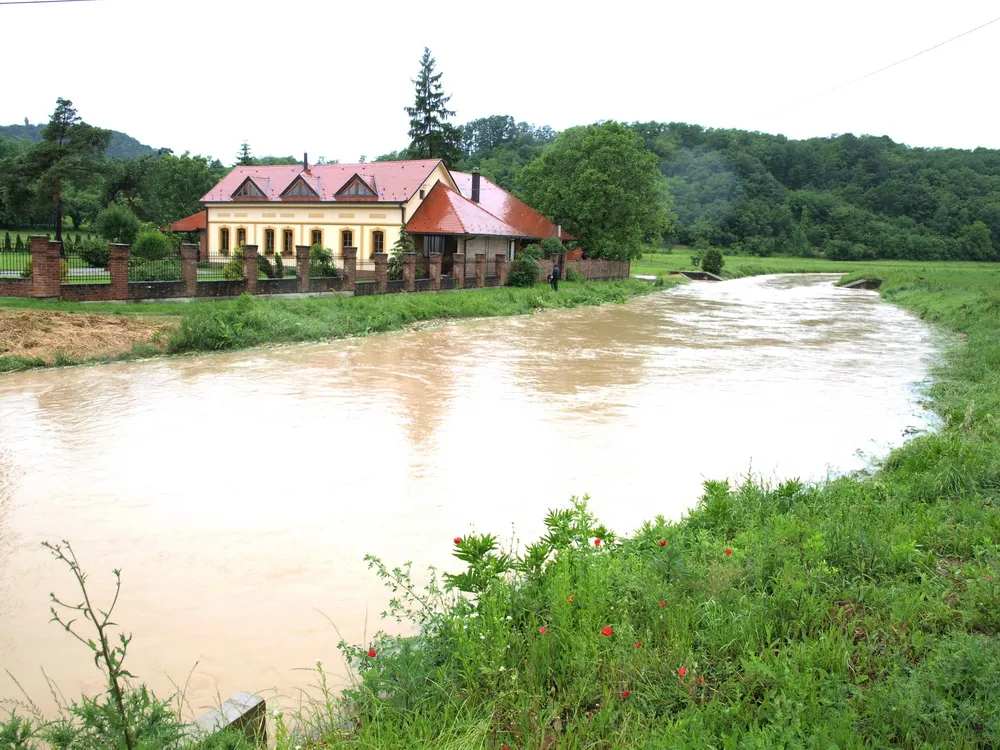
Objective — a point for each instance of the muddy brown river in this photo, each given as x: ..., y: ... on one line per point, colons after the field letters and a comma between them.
x: 239, y: 493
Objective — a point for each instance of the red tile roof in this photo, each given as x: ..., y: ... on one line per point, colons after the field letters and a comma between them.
x: 444, y: 211
x: 395, y: 181
x: 192, y: 223
x: 509, y: 209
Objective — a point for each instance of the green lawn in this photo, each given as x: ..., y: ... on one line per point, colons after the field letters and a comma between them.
x: 736, y: 266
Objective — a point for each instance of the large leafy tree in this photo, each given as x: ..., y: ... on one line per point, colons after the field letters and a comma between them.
x: 71, y: 151
x: 431, y: 136
x: 179, y: 182
x: 604, y: 186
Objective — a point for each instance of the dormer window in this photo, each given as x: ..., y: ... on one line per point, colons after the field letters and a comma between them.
x: 249, y: 189
x: 299, y: 189
x: 356, y: 187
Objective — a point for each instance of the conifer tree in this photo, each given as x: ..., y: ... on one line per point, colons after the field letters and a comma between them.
x: 244, y: 158
x: 6, y: 242
x: 403, y: 244
x: 431, y: 137
x: 19, y: 245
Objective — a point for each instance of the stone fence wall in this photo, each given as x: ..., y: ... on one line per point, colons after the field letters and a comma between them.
x: 51, y: 278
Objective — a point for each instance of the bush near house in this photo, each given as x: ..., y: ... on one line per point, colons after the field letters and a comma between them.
x: 524, y: 270
x: 321, y: 262
x: 94, y: 252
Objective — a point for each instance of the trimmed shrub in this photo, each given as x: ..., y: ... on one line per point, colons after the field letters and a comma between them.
x: 233, y: 270
x: 524, y: 271
x: 7, y: 246
x: 152, y: 245
x: 19, y: 245
x: 279, y: 266
x: 117, y: 224
x: 712, y: 261
x: 264, y: 268
x: 95, y: 253
x: 531, y: 251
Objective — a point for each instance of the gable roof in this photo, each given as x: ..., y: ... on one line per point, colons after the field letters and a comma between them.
x: 367, y: 180
x: 295, y: 183
x: 445, y: 211
x: 509, y: 209
x: 393, y: 181
x: 254, y: 189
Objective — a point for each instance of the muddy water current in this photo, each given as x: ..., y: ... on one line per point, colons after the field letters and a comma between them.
x: 238, y: 493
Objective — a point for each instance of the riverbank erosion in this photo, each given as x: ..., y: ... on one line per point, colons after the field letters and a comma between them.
x: 40, y: 334
x: 861, y: 612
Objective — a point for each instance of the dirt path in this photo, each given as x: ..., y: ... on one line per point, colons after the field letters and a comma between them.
x: 52, y: 336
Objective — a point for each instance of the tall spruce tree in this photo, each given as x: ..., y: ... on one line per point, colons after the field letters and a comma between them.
x: 431, y: 136
x: 70, y: 151
x: 244, y: 158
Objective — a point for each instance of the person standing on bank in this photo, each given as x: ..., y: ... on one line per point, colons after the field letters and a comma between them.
x: 554, y: 278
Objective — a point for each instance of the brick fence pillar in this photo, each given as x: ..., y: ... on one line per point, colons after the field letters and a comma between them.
x: 302, y: 266
x: 458, y: 269
x: 381, y: 272
x: 434, y: 270
x: 44, y: 267
x: 480, y: 270
x: 350, y: 268
x: 250, y: 268
x: 189, y: 269
x: 501, y: 270
x: 409, y: 271
x: 118, y: 266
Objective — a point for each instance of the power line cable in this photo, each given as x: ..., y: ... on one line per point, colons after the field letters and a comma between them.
x: 42, y: 2
x: 907, y: 59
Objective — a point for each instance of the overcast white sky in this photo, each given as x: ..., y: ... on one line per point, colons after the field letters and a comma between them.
x: 332, y: 78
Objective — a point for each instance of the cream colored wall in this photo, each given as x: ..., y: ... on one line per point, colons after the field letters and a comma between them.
x: 440, y: 173
x: 361, y: 219
x: 488, y: 245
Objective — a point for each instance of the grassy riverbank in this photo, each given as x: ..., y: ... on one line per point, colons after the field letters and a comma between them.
x: 39, y: 333
x: 860, y: 613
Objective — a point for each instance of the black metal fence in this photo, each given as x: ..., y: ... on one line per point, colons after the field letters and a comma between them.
x: 76, y: 267
x: 447, y: 282
x: 364, y: 288
x: 167, y: 268
x: 15, y: 264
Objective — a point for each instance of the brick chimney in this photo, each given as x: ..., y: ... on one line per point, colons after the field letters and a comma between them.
x: 475, y: 185
x: 305, y: 162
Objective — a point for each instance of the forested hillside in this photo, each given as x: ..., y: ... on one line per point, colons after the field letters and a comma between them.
x: 122, y: 146
x: 759, y: 194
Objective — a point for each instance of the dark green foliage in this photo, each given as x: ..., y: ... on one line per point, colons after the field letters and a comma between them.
x: 531, y: 251
x: 117, y: 224
x: 551, y: 246
x: 244, y: 158
x: 279, y: 266
x: 264, y: 268
x: 602, y: 185
x: 524, y: 271
x: 152, y: 245
x: 7, y: 246
x: 712, y: 261
x: 573, y: 275
x: 19, y: 245
x: 168, y: 269
x: 95, y: 253
x: 321, y: 263
x: 402, y: 246
x: 431, y: 136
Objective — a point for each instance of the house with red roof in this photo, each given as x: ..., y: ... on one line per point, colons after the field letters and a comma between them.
x: 363, y: 207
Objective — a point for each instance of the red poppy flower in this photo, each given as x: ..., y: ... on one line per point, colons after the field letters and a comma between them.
x: 700, y: 680
x: 682, y: 671
x: 589, y: 714
x: 638, y: 644
x: 626, y: 693
x: 597, y: 542
x: 606, y: 630
x: 457, y: 540
x: 662, y: 604
x: 543, y: 630
x: 371, y: 653
x: 728, y: 552
x: 663, y: 542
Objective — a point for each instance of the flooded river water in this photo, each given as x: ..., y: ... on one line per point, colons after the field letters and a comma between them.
x: 239, y: 493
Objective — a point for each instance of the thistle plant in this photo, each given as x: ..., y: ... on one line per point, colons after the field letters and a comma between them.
x: 110, y: 657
